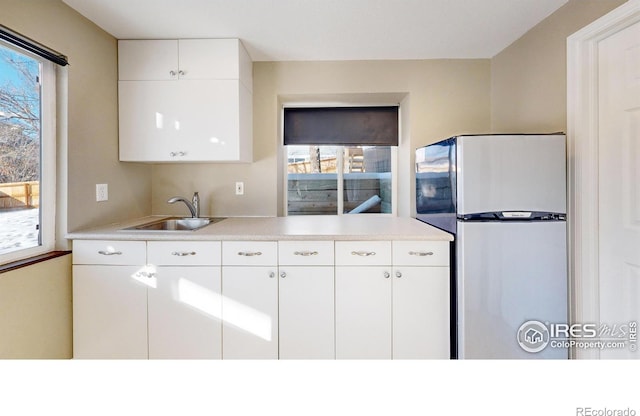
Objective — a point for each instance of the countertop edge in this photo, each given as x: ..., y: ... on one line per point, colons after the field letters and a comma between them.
x: 276, y: 229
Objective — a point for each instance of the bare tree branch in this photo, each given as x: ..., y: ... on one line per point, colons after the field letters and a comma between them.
x: 19, y: 119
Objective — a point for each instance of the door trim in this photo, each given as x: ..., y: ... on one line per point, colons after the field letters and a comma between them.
x: 583, y: 162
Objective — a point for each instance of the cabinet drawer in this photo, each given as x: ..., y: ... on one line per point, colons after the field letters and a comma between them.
x: 249, y: 253
x: 363, y: 253
x: 305, y: 253
x: 184, y: 253
x: 421, y: 253
x: 109, y: 252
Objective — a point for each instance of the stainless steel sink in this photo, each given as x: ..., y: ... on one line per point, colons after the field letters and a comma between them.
x: 175, y: 224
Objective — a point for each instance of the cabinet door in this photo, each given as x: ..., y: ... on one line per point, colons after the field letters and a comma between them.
x: 109, y: 312
x: 149, y: 121
x: 185, y: 313
x: 209, y: 59
x: 147, y: 60
x: 209, y: 120
x: 249, y: 312
x: 306, y: 312
x: 421, y: 312
x: 185, y: 121
x: 363, y: 312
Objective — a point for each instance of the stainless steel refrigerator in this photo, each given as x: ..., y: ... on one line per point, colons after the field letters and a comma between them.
x: 504, y: 199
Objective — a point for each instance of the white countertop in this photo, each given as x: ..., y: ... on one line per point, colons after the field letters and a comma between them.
x: 329, y: 227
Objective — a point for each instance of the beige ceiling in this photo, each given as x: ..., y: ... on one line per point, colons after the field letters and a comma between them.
x: 284, y: 30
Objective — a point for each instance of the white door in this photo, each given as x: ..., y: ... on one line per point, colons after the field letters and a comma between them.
x: 185, y: 313
x: 421, y: 312
x: 619, y: 182
x: 306, y: 312
x: 249, y: 312
x: 109, y: 312
x: 363, y: 312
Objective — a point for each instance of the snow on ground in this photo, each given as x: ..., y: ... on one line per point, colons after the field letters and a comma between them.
x: 18, y: 229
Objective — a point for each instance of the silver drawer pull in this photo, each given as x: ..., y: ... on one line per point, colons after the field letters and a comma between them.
x: 249, y: 253
x: 363, y: 253
x: 146, y: 274
x: 305, y: 253
x: 110, y: 253
x: 421, y: 253
x: 183, y: 253
x: 174, y: 154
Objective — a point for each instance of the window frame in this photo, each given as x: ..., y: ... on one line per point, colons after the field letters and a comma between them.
x: 340, y: 161
x: 47, y: 207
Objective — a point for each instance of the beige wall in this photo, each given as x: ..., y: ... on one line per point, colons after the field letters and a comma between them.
x: 443, y: 97
x: 35, y: 311
x: 528, y: 78
x: 35, y: 301
x: 92, y: 112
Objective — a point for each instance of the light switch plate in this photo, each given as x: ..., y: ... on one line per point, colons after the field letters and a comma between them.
x: 102, y: 192
x: 239, y: 188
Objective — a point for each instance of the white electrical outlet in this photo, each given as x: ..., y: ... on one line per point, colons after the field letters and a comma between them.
x: 102, y: 192
x: 239, y: 188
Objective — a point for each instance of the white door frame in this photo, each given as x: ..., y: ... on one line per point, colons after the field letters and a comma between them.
x: 583, y: 141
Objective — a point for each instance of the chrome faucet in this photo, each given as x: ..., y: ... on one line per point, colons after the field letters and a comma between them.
x: 194, y: 205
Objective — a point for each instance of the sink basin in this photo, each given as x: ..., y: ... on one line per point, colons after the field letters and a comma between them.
x: 175, y: 224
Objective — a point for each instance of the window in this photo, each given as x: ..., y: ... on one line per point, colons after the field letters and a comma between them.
x: 27, y: 151
x: 340, y: 160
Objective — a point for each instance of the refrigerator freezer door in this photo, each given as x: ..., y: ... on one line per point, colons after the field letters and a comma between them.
x: 511, y: 173
x: 509, y: 273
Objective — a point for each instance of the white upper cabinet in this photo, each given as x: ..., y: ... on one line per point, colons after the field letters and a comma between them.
x: 185, y: 101
x: 188, y: 59
x: 147, y: 60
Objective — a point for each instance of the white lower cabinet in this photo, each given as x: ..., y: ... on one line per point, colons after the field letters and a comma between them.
x: 261, y: 299
x: 249, y: 300
x: 166, y: 309
x: 184, y: 300
x: 109, y: 299
x: 420, y: 312
x: 306, y: 299
x: 392, y: 311
x: 250, y: 312
x: 184, y: 312
x: 306, y: 312
x: 363, y: 312
x: 109, y: 312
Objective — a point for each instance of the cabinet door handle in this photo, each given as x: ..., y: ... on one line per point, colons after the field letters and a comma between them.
x: 172, y: 73
x: 180, y: 153
x: 283, y: 275
x: 272, y: 275
x: 110, y: 253
x: 398, y: 275
x: 146, y: 274
x: 181, y: 72
x: 421, y: 253
x: 183, y: 253
x: 249, y: 253
x: 305, y: 253
x: 363, y: 253
x: 386, y: 275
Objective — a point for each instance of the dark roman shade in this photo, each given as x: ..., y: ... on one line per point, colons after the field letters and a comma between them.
x: 32, y: 46
x: 367, y: 126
